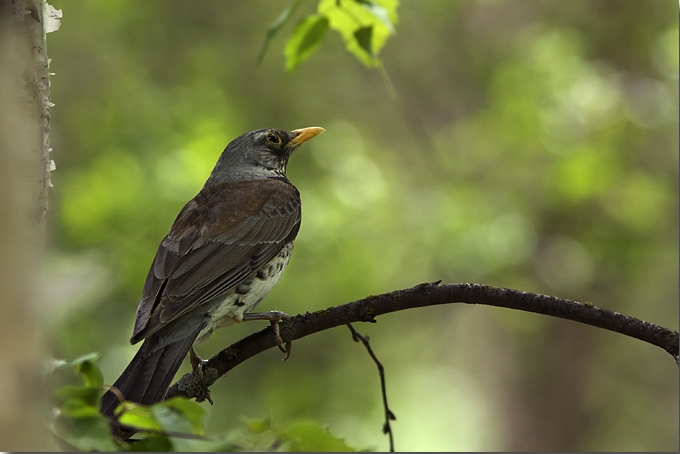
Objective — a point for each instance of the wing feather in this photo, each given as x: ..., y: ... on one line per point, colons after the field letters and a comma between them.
x: 218, y: 239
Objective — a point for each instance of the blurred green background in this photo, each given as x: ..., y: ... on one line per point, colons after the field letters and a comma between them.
x: 532, y: 145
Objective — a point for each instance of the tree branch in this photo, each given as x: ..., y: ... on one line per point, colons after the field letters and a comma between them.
x: 365, y: 310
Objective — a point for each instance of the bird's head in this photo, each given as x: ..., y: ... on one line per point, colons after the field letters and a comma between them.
x: 259, y: 154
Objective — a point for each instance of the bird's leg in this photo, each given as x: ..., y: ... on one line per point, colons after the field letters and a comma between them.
x: 197, y: 366
x: 195, y: 360
x: 274, y: 317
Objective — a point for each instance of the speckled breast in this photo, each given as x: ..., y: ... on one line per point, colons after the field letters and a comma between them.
x: 248, y: 294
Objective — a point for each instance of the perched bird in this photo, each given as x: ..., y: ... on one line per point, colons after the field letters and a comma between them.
x: 224, y: 253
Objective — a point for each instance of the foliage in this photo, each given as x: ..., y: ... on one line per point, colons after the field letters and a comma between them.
x: 77, y: 422
x: 173, y: 425
x: 364, y: 25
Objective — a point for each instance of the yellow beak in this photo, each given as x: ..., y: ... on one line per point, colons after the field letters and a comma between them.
x: 303, y: 135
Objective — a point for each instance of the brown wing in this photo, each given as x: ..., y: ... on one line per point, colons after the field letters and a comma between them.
x: 210, y: 250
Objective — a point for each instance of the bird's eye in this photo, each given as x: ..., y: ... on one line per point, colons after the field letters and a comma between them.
x: 273, y: 138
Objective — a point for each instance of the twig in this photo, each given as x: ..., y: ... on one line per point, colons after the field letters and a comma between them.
x: 365, y: 310
x: 389, y: 416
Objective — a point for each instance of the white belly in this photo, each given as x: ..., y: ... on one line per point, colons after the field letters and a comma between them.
x: 246, y: 296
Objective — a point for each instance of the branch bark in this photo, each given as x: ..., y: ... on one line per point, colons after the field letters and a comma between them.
x: 430, y: 294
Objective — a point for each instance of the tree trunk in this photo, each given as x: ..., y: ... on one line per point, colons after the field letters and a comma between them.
x: 24, y: 179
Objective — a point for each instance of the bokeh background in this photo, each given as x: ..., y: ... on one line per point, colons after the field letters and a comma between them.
x: 532, y: 145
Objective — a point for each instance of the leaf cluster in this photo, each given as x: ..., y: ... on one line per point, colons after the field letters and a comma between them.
x: 364, y: 26
x: 172, y: 425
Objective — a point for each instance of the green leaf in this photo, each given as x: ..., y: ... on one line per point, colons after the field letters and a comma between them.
x: 305, y: 39
x: 78, y: 408
x: 379, y: 12
x: 90, y: 373
x: 85, y: 434
x: 171, y: 419
x: 182, y: 416
x: 90, y: 395
x: 363, y: 37
x: 258, y: 425
x: 364, y: 25
x: 174, y: 416
x: 155, y: 443
x: 55, y: 364
x: 139, y: 416
x: 309, y: 436
x: 192, y: 411
x: 275, y: 26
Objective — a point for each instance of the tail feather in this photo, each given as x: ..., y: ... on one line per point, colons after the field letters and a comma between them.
x: 147, y: 378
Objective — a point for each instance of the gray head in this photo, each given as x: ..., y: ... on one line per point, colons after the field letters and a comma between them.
x: 259, y: 154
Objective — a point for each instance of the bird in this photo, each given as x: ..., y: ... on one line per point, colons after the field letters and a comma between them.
x: 225, y: 251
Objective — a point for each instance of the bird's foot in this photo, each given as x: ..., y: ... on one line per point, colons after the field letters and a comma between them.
x: 274, y: 317
x: 195, y: 360
x: 197, y: 365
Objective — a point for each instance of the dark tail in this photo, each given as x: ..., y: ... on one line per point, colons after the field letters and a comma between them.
x: 147, y: 378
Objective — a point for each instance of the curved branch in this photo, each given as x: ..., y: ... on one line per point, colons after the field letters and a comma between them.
x: 365, y: 310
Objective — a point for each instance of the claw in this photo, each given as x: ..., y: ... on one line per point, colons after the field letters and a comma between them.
x: 289, y: 345
x: 277, y: 333
x: 274, y: 317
